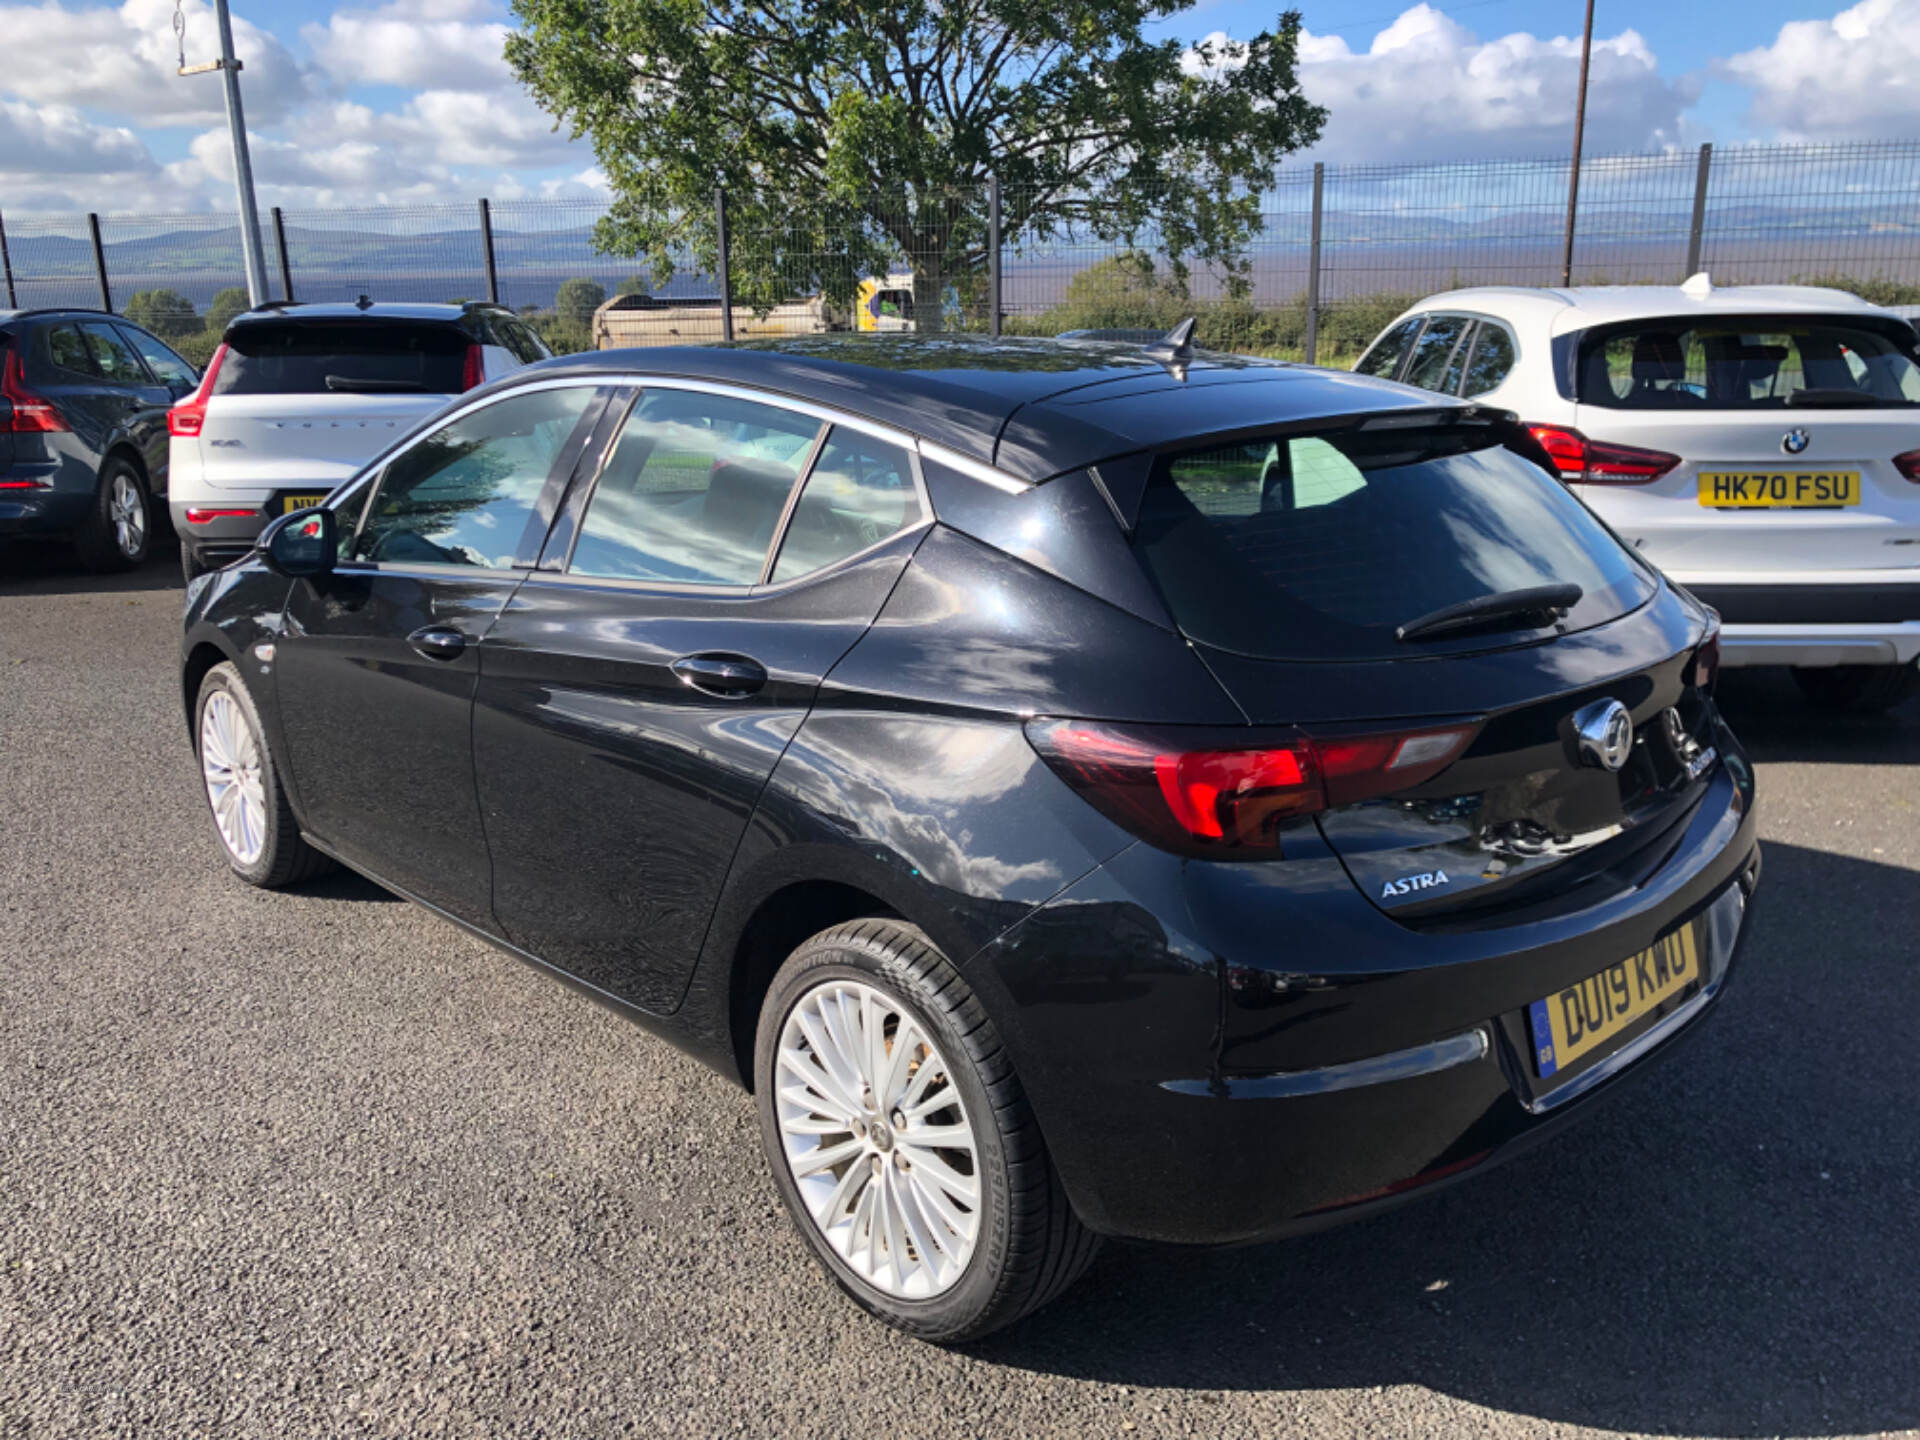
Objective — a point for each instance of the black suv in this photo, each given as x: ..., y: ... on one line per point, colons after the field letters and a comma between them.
x: 1079, y: 789
x: 83, y: 430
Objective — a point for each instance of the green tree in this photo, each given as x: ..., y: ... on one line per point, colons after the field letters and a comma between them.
x: 634, y: 285
x: 852, y: 135
x: 167, y: 313
x: 226, y: 304
x: 577, y: 300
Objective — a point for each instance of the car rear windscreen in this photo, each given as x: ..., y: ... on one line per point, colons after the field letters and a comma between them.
x: 315, y: 357
x: 1749, y: 363
x: 1318, y: 547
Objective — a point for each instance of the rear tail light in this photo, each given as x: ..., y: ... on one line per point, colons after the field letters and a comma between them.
x: 474, y: 371
x: 1594, y: 462
x: 189, y: 417
x: 1190, y: 793
x: 1908, y: 465
x: 28, y: 413
x: 198, y: 515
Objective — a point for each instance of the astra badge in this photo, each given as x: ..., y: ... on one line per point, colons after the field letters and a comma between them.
x: 1407, y: 884
x: 1794, y: 441
x: 1605, y: 732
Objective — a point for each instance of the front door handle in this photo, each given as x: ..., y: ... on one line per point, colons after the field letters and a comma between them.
x: 438, y: 642
x: 732, y: 676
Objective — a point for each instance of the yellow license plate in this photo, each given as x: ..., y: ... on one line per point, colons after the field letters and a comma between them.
x: 1779, y: 489
x: 300, y: 502
x: 1584, y: 1017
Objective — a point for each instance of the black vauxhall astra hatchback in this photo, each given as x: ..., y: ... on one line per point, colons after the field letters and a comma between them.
x: 1079, y: 789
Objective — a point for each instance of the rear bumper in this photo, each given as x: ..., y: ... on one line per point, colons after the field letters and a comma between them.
x: 224, y: 539
x: 1869, y: 623
x: 1196, y: 1097
x: 42, y: 509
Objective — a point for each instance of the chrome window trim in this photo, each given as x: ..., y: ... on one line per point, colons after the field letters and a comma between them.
x: 974, y: 469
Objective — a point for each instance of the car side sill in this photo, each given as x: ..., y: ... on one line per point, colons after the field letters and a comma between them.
x: 649, y: 1019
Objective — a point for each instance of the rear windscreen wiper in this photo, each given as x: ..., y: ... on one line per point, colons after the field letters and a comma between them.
x: 1554, y: 600
x: 1835, y: 398
x: 372, y: 387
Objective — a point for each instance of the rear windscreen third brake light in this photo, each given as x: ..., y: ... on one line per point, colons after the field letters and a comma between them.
x: 1192, y: 793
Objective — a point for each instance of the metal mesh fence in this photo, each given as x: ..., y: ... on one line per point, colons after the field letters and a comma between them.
x: 1386, y: 235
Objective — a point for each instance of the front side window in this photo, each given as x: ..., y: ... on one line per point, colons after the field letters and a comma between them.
x: 858, y: 493
x: 465, y: 494
x: 694, y: 490
x: 1757, y: 363
x: 166, y: 365
x: 1321, y: 546
x: 1384, y: 356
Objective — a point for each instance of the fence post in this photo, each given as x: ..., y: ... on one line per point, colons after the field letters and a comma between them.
x: 993, y: 256
x: 100, y: 262
x: 1313, y: 263
x: 286, y: 265
x: 486, y: 246
x: 1699, y: 230
x: 6, y: 265
x: 726, y: 272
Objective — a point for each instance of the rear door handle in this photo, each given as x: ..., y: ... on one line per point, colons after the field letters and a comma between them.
x: 733, y: 676
x: 438, y: 642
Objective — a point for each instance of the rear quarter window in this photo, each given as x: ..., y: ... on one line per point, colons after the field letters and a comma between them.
x: 1307, y: 547
x: 312, y: 357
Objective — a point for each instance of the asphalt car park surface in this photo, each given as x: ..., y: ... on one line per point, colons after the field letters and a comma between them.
x: 317, y: 1163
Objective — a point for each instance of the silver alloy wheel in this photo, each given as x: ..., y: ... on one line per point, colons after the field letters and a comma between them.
x: 129, y: 514
x: 230, y: 764
x: 877, y: 1139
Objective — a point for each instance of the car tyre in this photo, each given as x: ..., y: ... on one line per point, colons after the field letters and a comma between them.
x: 1856, y: 689
x: 118, y: 531
x: 191, y: 566
x: 943, y: 1070
x: 245, y: 797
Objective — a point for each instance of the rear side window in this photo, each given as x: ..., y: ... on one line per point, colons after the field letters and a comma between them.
x: 694, y: 490
x: 1383, y: 358
x: 169, y: 367
x: 114, y: 355
x: 1433, y: 353
x: 1754, y: 363
x: 1492, y: 359
x: 1318, y: 547
x: 68, y: 351
x: 465, y: 494
x: 313, y: 357
x: 858, y: 493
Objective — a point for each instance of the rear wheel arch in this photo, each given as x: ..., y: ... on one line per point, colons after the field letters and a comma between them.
x: 126, y: 450
x: 781, y: 922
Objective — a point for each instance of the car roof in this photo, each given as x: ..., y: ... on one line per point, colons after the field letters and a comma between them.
x: 1577, y: 307
x: 1031, y: 408
x: 278, y: 312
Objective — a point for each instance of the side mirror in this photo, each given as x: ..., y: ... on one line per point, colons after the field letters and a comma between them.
x: 301, y: 544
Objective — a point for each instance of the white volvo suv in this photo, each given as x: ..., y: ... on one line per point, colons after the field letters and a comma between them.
x: 298, y: 397
x: 1760, y: 444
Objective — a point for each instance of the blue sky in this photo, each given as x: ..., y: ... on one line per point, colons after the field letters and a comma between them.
x: 398, y: 101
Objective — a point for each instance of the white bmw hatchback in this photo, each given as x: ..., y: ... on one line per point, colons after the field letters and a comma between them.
x: 1760, y: 444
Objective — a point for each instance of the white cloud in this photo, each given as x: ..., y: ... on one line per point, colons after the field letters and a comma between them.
x: 1428, y: 89
x: 124, y: 60
x: 1854, y: 77
x: 430, y: 45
